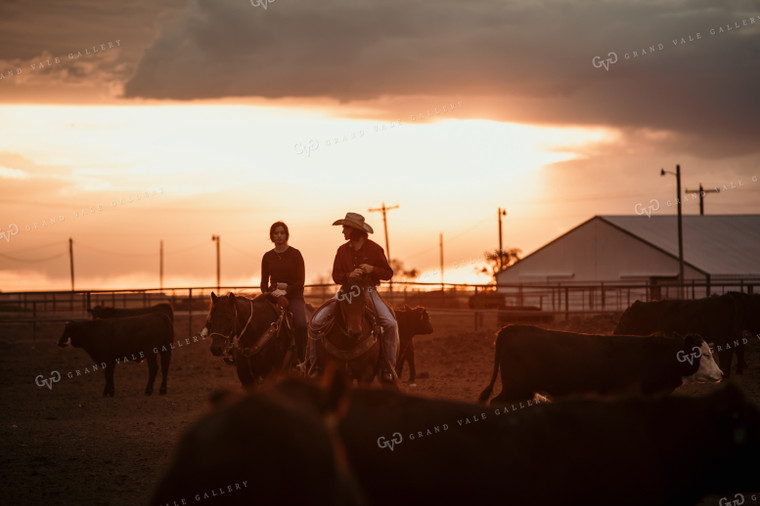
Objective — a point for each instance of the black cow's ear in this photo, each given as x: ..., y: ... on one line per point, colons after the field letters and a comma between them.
x: 692, y: 340
x: 231, y: 296
x: 213, y: 297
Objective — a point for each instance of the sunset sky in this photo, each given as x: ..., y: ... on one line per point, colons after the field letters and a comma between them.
x: 203, y: 117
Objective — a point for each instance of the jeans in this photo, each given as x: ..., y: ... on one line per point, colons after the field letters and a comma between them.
x: 385, y: 318
x: 298, y: 308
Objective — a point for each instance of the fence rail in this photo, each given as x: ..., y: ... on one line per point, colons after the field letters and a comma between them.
x: 513, y: 302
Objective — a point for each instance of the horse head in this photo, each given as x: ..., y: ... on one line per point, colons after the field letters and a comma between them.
x: 351, y: 302
x: 221, y: 323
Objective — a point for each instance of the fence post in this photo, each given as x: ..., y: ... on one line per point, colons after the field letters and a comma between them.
x: 189, y: 312
x: 602, y: 296
x: 567, y: 305
x: 34, y: 320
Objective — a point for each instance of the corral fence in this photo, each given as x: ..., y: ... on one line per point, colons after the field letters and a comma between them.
x: 486, y: 306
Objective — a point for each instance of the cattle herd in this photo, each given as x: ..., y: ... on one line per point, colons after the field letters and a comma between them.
x: 580, y: 419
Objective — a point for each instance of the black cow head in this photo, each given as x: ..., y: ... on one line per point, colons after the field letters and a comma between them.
x: 634, y: 321
x: 414, y: 320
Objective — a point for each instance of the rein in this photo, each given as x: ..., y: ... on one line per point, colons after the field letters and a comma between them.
x: 229, y: 340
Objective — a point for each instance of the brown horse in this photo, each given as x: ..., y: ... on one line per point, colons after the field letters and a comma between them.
x: 349, y: 339
x: 411, y: 322
x: 256, y: 336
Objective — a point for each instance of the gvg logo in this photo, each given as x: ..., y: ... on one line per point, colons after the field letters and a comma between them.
x: 312, y: 145
x: 12, y: 230
x: 355, y: 291
x: 55, y: 377
x: 738, y: 500
x: 262, y: 3
x: 397, y: 439
x: 598, y: 62
x: 696, y: 353
x: 654, y: 205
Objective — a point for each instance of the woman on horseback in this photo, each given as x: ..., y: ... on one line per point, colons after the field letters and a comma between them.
x: 283, y: 274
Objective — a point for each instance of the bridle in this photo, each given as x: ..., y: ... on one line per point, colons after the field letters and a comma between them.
x: 229, y: 339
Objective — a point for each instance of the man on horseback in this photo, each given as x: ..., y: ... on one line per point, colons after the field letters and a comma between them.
x: 360, y: 256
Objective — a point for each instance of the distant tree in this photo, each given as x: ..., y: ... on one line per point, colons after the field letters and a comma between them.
x: 509, y: 256
x: 399, y: 271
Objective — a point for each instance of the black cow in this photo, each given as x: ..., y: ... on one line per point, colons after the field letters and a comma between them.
x: 266, y: 449
x: 719, y: 319
x: 101, y: 312
x: 411, y: 322
x: 563, y: 363
x: 116, y: 340
x: 298, y: 445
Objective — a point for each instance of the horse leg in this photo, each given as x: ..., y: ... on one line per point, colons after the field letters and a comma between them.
x: 243, y: 367
x: 301, y: 337
x: 410, y: 359
x: 401, y: 358
x: 152, y: 370
x: 109, y: 390
x: 165, y: 358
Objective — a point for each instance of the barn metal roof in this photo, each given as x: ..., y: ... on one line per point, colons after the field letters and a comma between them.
x: 725, y: 244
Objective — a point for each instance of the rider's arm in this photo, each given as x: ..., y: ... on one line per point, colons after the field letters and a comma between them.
x: 264, y: 274
x: 381, y: 268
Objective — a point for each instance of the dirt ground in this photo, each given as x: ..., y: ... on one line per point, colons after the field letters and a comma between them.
x: 69, y: 445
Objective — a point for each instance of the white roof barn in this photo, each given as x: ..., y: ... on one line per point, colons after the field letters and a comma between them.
x: 628, y: 250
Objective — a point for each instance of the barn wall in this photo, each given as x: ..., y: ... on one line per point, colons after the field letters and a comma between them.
x: 595, y: 252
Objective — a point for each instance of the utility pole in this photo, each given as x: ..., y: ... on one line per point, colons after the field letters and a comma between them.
x: 383, y: 209
x: 71, y: 261
x: 218, y: 271
x: 441, y: 246
x: 680, y: 227
x: 161, y: 265
x: 501, y: 213
x: 702, y: 192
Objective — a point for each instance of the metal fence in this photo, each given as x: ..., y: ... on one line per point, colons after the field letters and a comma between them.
x: 526, y: 302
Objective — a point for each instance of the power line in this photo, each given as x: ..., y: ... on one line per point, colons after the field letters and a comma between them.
x: 115, y: 252
x: 465, y: 231
x: 37, y: 247
x: 33, y: 260
x: 195, y: 246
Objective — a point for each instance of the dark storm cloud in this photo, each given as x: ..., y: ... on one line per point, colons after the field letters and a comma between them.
x: 31, y: 33
x: 531, y: 60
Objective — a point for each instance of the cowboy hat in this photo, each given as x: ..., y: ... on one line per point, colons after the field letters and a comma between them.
x: 356, y: 221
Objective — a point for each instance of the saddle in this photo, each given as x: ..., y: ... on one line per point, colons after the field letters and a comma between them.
x: 283, y: 321
x: 319, y: 332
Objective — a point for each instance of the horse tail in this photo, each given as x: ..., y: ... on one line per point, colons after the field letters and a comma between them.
x: 486, y: 393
